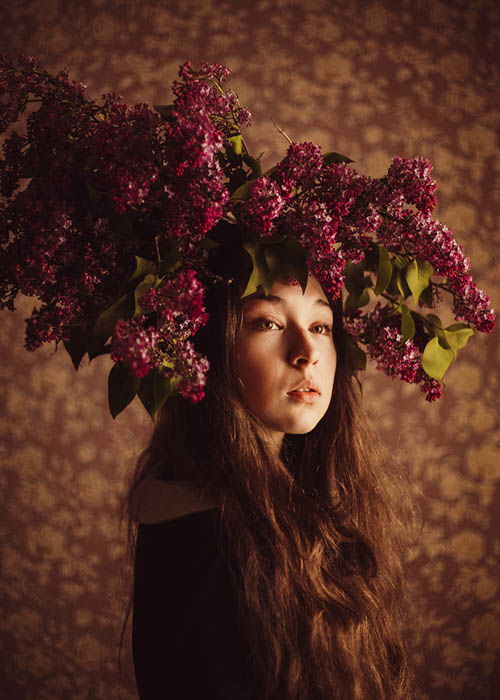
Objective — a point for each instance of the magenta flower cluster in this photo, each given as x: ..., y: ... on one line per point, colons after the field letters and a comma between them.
x: 60, y: 241
x: 337, y: 214
x: 399, y: 359
x: 141, y: 346
x: 106, y: 182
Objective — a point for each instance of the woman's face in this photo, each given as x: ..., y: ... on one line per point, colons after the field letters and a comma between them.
x: 286, y: 339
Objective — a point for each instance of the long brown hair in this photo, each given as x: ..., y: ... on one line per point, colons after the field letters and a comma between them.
x: 318, y: 534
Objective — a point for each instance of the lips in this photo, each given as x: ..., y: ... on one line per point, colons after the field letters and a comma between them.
x: 306, y: 384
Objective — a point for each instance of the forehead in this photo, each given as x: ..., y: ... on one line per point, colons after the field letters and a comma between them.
x: 290, y: 295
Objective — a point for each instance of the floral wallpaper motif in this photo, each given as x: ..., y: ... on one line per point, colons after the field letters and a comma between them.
x: 371, y: 80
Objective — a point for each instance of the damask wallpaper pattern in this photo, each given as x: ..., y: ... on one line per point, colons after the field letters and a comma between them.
x: 369, y: 79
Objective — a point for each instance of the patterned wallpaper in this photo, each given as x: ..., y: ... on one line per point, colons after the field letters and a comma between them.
x: 371, y: 80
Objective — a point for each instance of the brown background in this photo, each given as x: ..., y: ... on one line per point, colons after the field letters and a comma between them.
x: 370, y: 80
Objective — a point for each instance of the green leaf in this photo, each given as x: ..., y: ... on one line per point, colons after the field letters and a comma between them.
x: 155, y: 390
x: 106, y: 321
x: 260, y: 274
x: 236, y: 144
x: 142, y: 268
x: 296, y: 258
x: 426, y: 296
x: 436, y: 360
x: 332, y: 157
x: 122, y: 387
x: 209, y: 243
x: 143, y: 286
x: 271, y: 171
x: 402, y: 285
x: 434, y: 320
x: 237, y: 179
x: 384, y: 271
x: 355, y: 300
x: 400, y: 261
x: 95, y: 195
x: 170, y: 262
x: 242, y: 192
x: 407, y: 323
x: 254, y: 164
x: 418, y: 275
x: 355, y: 356
x: 76, y: 346
x: 354, y: 277
x: 457, y: 335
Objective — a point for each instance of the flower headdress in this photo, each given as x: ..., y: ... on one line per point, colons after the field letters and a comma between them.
x: 113, y: 229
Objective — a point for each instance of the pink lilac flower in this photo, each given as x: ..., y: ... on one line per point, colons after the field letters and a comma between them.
x: 433, y: 241
x: 264, y: 204
x: 166, y: 181
x: 328, y: 272
x: 123, y: 153
x: 470, y: 303
x: 179, y: 299
x: 134, y: 345
x: 192, y: 368
x: 302, y: 163
x: 422, y: 237
x: 47, y: 324
x: 74, y: 272
x: 412, y: 178
x: 384, y: 343
x: 344, y: 193
x: 310, y: 222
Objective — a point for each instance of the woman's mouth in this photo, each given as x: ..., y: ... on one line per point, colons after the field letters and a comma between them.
x: 304, y: 396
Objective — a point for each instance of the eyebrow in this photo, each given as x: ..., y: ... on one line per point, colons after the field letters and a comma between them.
x: 279, y: 300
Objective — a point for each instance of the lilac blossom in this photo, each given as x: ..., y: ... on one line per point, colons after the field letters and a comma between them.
x: 179, y: 299
x: 412, y: 178
x: 398, y: 358
x: 192, y: 368
x: 109, y: 182
x: 134, y: 345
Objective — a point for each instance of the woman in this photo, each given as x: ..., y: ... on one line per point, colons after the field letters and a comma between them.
x: 269, y: 536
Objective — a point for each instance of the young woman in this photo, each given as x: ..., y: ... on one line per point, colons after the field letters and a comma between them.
x: 266, y: 525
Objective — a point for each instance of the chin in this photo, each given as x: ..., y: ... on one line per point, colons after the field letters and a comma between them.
x: 299, y: 427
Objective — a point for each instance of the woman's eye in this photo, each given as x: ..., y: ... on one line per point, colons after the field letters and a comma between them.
x: 260, y: 323
x: 327, y: 328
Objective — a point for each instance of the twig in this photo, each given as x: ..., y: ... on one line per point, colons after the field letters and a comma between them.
x: 281, y: 131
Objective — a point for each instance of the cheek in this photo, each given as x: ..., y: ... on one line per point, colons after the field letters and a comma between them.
x: 255, y: 366
x: 330, y: 364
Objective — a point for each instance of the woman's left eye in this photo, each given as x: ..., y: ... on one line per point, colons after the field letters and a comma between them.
x: 260, y: 321
x: 326, y: 326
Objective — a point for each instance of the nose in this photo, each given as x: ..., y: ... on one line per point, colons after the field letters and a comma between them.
x: 303, y: 350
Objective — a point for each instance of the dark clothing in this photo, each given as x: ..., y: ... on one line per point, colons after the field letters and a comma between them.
x: 185, y: 634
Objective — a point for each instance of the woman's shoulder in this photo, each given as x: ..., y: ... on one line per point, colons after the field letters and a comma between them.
x: 158, y: 501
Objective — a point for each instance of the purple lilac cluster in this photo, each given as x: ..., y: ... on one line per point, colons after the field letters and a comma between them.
x: 378, y: 331
x: 64, y: 250
x: 433, y: 241
x: 412, y: 177
x: 337, y: 214
x: 135, y: 345
x: 89, y: 164
x: 142, y: 345
x: 196, y: 193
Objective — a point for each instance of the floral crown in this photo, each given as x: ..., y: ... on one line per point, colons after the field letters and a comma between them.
x: 112, y: 230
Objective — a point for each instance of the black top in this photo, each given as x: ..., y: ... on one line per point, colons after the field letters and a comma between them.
x: 185, y: 635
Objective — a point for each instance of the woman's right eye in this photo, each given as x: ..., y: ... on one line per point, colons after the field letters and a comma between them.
x: 260, y: 321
